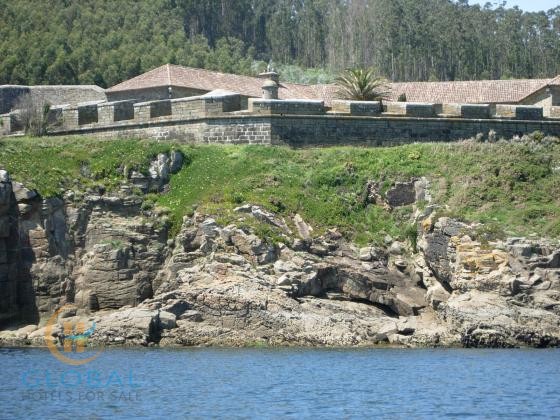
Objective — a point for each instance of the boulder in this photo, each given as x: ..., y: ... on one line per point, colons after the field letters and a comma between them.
x: 167, y: 320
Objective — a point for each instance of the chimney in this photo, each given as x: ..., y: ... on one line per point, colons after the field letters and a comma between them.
x: 272, y: 75
x: 270, y: 89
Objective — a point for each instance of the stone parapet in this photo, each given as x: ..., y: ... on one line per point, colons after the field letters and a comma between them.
x: 412, y: 109
x: 110, y: 112
x: 519, y: 112
x: 356, y: 107
x: 222, y: 102
x: 286, y: 107
x: 145, y: 111
x: 75, y: 116
x: 209, y: 104
x: 217, y: 117
x: 317, y: 130
x: 473, y: 111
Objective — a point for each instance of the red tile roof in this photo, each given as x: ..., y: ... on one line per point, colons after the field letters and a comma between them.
x: 480, y: 91
x: 200, y: 79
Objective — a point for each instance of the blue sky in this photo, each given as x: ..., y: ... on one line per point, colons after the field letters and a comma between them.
x: 529, y: 5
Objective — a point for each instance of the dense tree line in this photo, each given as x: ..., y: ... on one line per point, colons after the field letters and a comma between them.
x: 107, y: 41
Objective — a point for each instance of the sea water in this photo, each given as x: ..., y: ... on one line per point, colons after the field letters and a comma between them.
x: 282, y: 383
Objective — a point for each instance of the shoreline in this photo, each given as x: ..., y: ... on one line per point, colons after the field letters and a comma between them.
x: 387, y: 346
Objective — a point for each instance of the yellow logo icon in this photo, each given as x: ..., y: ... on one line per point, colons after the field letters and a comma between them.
x: 73, y: 339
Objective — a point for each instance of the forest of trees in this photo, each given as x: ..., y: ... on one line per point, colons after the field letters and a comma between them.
x: 107, y: 41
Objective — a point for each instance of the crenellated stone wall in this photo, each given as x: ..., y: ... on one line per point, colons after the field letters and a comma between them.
x: 220, y: 118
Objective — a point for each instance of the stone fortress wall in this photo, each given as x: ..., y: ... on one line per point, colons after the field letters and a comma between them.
x: 224, y: 118
x: 53, y: 94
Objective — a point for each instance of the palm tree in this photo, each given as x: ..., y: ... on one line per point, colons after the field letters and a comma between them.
x: 361, y: 85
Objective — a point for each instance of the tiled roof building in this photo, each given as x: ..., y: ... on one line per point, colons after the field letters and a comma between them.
x: 178, y: 81
x: 196, y: 81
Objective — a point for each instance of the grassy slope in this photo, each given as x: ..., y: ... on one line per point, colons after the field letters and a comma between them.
x: 512, y: 187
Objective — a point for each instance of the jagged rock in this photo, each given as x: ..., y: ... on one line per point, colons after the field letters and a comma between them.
x: 304, y: 230
x: 373, y: 193
x: 490, y: 288
x: 24, y: 208
x: 15, y: 290
x: 176, y: 163
x: 254, y: 248
x: 216, y: 285
x: 246, y: 208
x: 167, y: 320
x: 365, y: 254
x: 4, y: 176
x: 159, y: 172
x: 21, y: 193
x: 264, y: 216
x: 422, y: 191
x: 137, y: 325
x: 396, y: 248
x: 191, y: 316
x: 401, y: 194
x: 210, y: 228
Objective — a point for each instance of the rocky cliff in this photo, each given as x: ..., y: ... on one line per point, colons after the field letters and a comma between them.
x: 113, y: 258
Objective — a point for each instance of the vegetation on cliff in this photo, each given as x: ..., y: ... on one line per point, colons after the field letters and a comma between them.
x: 107, y: 41
x: 513, y: 187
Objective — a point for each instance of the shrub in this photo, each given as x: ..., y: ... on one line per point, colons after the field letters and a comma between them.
x: 32, y: 115
x: 361, y: 85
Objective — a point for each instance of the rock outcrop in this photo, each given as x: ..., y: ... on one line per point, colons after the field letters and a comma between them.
x: 224, y: 285
x: 9, y: 249
x: 501, y: 294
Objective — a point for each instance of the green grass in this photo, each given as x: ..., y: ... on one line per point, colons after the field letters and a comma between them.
x: 52, y: 165
x: 514, y: 188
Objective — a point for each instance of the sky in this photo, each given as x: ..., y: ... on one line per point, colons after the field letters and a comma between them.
x: 528, y: 5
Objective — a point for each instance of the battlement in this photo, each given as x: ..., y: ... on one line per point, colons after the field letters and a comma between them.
x: 411, y: 109
x: 360, y: 108
x: 286, y: 107
x: 470, y: 111
x: 219, y: 117
x: 519, y: 112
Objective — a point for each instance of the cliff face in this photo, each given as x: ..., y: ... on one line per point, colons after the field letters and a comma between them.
x: 224, y: 285
x: 95, y: 251
x: 9, y: 249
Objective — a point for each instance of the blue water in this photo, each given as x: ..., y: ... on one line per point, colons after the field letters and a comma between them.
x: 282, y: 383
